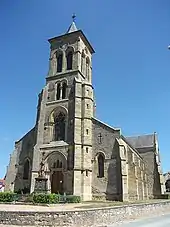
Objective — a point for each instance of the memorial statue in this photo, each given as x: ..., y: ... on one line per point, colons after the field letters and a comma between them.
x: 41, y: 172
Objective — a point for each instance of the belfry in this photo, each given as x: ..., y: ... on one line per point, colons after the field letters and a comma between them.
x: 80, y: 154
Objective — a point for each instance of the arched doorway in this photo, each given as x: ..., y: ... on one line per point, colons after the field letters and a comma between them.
x: 57, y: 182
x: 57, y: 166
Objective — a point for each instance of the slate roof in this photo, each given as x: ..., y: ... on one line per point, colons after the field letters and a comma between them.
x: 142, y: 141
x: 72, y: 28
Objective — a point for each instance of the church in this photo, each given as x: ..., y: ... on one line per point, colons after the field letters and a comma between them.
x: 81, y: 155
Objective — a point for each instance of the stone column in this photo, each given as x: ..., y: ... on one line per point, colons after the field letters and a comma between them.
x: 48, y: 176
x: 137, y: 182
x: 33, y: 177
x: 77, y: 184
x: 78, y: 53
x: 64, y: 65
x: 54, y: 64
x: 137, y: 189
x: 124, y: 166
x: 65, y: 181
x: 84, y: 66
x: 125, y: 188
x: 61, y: 90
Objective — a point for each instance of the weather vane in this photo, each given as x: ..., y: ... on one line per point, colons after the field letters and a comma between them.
x: 73, y: 17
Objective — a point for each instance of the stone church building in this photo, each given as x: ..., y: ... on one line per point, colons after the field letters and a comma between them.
x: 81, y: 154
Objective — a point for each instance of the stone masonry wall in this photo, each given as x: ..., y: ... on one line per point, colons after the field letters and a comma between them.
x: 23, y: 150
x: 154, y: 186
x: 137, y: 181
x: 86, y: 218
x: 135, y: 172
x: 107, y: 185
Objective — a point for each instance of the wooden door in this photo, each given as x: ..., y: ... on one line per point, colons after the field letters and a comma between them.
x: 57, y: 182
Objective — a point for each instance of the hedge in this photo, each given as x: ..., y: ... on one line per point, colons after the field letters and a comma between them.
x: 7, y: 196
x: 73, y: 199
x: 162, y: 196
x: 54, y: 198
x: 40, y: 198
x: 46, y: 198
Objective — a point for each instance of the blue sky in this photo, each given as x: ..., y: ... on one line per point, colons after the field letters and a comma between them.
x: 131, y: 66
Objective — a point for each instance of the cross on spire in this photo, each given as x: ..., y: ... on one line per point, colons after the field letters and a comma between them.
x: 72, y: 27
x: 73, y: 17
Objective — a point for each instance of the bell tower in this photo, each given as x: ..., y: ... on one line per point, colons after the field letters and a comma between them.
x: 65, y: 111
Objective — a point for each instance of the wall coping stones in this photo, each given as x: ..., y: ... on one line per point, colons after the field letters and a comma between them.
x: 86, y: 217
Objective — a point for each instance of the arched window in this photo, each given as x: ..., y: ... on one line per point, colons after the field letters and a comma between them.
x: 82, y: 62
x: 26, y: 170
x: 58, y: 163
x: 64, y: 90
x: 59, y: 127
x: 87, y: 68
x: 69, y: 60
x: 55, y: 165
x: 60, y: 166
x: 58, y: 91
x: 59, y: 62
x: 100, y: 166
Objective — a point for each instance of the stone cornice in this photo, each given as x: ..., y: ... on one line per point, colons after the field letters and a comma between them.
x: 55, y: 144
x: 56, y: 102
x: 62, y: 74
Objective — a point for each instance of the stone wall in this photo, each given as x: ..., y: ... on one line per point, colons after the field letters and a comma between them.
x: 134, y: 172
x: 154, y: 185
x: 137, y: 181
x: 86, y: 218
x: 124, y: 168
x: 23, y: 151
x: 104, y: 143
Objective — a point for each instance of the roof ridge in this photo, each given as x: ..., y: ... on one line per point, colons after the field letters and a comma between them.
x: 107, y: 125
x: 141, y: 135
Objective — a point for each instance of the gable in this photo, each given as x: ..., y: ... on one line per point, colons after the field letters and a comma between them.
x: 104, y: 125
x: 103, y: 138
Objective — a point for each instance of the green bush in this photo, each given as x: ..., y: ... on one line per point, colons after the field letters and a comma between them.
x: 73, y: 199
x: 54, y: 198
x: 45, y: 198
x: 7, y: 196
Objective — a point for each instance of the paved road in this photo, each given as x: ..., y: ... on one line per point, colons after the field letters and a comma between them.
x: 159, y: 221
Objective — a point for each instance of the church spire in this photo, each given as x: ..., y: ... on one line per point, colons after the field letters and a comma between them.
x: 72, y: 27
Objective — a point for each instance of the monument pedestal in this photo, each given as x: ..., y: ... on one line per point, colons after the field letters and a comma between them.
x: 40, y: 185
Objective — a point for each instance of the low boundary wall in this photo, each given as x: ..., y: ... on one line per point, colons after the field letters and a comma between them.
x: 83, y: 218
